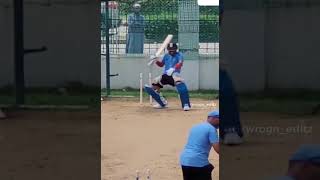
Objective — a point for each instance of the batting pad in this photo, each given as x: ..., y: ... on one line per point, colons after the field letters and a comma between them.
x: 184, y: 94
x: 154, y: 95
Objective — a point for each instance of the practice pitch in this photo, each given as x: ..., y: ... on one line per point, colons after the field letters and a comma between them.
x: 139, y: 137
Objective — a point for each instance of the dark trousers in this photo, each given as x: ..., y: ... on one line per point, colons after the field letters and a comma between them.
x: 229, y: 105
x: 197, y: 173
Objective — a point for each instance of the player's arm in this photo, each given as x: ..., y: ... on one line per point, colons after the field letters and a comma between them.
x: 160, y: 50
x: 214, y: 139
x: 216, y: 147
x: 179, y: 64
x: 160, y: 62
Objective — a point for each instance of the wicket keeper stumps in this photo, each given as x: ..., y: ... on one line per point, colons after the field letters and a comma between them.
x: 141, y: 87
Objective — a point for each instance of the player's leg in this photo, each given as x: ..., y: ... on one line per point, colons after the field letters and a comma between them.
x: 154, y: 91
x: 161, y: 81
x: 197, y: 173
x: 230, y: 126
x: 156, y: 85
x: 191, y: 173
x: 183, y: 92
x: 207, y: 172
x: 184, y: 95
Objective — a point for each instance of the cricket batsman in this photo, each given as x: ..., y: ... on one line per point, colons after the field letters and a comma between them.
x: 172, y: 63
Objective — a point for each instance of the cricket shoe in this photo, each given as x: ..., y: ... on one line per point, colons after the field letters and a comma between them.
x: 232, y: 138
x: 158, y: 106
x: 2, y: 115
x: 186, y: 107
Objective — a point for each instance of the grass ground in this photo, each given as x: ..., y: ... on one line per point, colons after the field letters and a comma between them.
x: 88, y: 98
x: 49, y: 99
x: 138, y: 137
x: 54, y: 96
x: 294, y: 102
x: 290, y: 102
x: 201, y: 94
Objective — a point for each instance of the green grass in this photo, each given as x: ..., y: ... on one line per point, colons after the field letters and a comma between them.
x: 201, y: 94
x: 83, y: 96
x: 296, y: 102
x: 52, y: 99
x: 72, y: 94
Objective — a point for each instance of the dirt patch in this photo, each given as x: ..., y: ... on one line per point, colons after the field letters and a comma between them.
x: 139, y: 137
x: 50, y: 145
x: 270, y: 139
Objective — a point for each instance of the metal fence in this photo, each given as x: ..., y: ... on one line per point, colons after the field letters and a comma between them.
x: 160, y: 19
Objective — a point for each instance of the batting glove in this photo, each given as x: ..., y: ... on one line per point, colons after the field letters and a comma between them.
x: 170, y: 71
x: 153, y: 57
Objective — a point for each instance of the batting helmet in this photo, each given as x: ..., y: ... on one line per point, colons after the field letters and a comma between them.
x: 172, y: 47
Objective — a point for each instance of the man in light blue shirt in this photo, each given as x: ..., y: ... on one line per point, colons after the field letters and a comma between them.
x: 194, y: 158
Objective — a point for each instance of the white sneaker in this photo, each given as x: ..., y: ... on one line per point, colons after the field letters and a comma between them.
x: 2, y: 115
x: 158, y: 106
x: 186, y: 107
x: 232, y: 139
x: 164, y: 101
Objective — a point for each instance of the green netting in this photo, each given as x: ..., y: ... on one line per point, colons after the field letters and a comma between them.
x: 161, y: 18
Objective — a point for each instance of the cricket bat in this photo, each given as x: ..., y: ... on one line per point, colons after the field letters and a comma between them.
x: 162, y: 47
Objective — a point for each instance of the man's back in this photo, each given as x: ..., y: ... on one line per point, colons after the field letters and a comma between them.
x: 200, y: 140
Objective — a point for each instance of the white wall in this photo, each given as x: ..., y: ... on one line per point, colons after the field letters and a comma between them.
x: 67, y: 30
x: 209, y: 73
x: 249, y: 42
x: 198, y: 74
x: 284, y: 43
x: 293, y: 48
x: 242, y: 47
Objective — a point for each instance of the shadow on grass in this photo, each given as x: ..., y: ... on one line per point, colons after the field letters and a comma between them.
x: 72, y: 94
x: 294, y: 102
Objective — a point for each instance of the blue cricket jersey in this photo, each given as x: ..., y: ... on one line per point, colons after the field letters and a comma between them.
x: 170, y: 61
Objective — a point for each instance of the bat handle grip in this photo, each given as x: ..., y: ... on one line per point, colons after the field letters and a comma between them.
x: 152, y: 58
x: 151, y: 62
